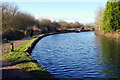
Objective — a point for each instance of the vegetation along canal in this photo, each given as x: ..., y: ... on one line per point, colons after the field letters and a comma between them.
x: 79, y: 55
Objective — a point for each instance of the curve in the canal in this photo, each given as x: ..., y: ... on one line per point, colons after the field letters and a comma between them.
x: 79, y: 55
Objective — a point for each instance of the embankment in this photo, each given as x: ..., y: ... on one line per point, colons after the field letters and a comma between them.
x: 21, y: 57
x: 113, y: 34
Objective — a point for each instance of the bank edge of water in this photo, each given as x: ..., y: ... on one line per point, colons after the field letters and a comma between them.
x: 90, y: 78
x: 111, y: 35
x: 25, y: 56
x: 22, y: 58
x: 31, y: 47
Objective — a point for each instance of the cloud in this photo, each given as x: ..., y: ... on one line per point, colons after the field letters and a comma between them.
x: 81, y: 19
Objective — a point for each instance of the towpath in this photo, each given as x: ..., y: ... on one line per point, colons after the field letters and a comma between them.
x: 9, y: 71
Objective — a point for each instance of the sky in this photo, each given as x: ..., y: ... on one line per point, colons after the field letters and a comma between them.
x: 69, y: 10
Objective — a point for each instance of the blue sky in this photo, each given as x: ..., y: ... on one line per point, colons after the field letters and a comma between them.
x: 83, y: 12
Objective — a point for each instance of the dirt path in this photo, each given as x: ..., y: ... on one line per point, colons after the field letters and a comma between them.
x: 17, y: 43
x: 9, y: 71
x: 12, y: 72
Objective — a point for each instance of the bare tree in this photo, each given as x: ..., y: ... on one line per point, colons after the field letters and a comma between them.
x: 98, y: 19
x: 9, y: 10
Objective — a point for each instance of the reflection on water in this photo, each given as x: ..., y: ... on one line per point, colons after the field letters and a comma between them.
x: 79, y: 55
x: 111, y: 57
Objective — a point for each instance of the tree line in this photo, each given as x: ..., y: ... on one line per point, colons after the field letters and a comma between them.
x: 16, y: 22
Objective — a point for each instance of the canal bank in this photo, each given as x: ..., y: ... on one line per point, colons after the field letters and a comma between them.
x: 21, y: 57
x: 112, y: 35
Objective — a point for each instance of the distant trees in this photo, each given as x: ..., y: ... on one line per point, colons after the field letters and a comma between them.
x: 111, y: 17
x: 44, y: 24
x: 47, y: 26
x: 66, y: 25
x: 16, y: 24
x: 54, y: 26
x: 63, y: 24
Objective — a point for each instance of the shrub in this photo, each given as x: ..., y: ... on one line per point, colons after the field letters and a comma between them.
x: 12, y: 34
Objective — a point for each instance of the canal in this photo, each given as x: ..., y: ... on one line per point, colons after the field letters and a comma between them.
x: 79, y: 55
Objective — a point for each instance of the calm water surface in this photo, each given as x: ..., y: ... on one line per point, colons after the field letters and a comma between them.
x: 79, y: 55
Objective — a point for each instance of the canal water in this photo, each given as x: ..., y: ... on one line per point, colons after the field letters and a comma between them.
x: 79, y: 55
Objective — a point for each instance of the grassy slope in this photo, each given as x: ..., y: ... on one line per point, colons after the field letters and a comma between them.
x: 24, y: 61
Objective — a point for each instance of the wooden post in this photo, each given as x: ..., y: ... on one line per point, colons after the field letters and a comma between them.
x: 12, y: 46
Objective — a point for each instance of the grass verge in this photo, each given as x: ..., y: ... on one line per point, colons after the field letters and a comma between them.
x: 25, y: 62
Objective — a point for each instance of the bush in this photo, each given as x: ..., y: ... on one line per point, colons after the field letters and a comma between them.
x: 12, y: 34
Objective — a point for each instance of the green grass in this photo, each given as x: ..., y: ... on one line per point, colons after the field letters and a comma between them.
x: 25, y: 62
x: 5, y: 41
